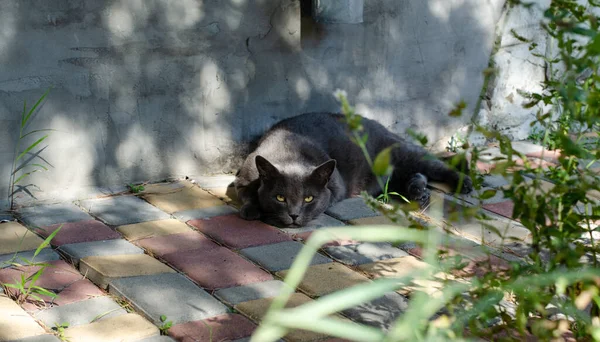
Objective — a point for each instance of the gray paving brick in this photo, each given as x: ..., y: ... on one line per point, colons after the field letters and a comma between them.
x: 157, y: 338
x: 45, y: 255
x: 167, y: 294
x: 46, y: 215
x: 123, y: 210
x: 364, y: 253
x: 279, y: 256
x: 76, y: 251
x: 320, y: 222
x: 203, y: 213
x: 351, y: 209
x: 472, y: 198
x: 39, y: 338
x: 380, y: 313
x: 240, y: 294
x: 496, y: 181
x: 81, y: 312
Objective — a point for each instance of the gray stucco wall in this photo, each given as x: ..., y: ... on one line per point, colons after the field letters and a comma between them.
x: 151, y: 89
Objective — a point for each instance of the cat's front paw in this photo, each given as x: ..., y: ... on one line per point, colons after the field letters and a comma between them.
x: 249, y: 212
x: 467, y: 185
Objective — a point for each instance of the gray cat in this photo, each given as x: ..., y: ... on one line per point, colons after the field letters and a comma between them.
x: 304, y: 164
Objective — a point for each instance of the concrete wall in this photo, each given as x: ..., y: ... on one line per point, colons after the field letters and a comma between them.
x: 150, y: 89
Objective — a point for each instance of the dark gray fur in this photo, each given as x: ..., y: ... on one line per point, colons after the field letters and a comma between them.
x: 312, y: 155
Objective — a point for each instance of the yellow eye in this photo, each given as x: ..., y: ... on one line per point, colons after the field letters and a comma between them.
x: 280, y: 198
x: 308, y: 199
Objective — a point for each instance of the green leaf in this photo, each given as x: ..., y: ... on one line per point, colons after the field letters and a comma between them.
x: 26, y: 165
x: 381, y: 165
x: 457, y: 111
x: 31, y: 147
x: 488, y: 194
x: 44, y: 292
x: 26, y: 118
x: 47, y: 241
x: 25, y: 175
x: 163, y: 318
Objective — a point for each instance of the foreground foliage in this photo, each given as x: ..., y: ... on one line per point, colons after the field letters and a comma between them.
x: 553, y: 291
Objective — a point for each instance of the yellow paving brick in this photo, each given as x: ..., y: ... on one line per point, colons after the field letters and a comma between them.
x: 165, y: 188
x: 183, y: 199
x: 15, y: 238
x: 128, y: 327
x: 103, y: 269
x: 320, y: 280
x: 400, y: 267
x: 153, y: 228
x: 227, y: 194
x: 256, y: 310
x: 15, y: 323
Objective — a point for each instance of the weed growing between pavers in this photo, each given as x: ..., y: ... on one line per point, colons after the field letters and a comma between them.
x: 552, y: 292
x: 59, y: 329
x: 26, y: 288
x: 165, y: 325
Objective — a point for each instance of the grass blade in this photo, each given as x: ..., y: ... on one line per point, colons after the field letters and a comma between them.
x: 26, y: 118
x: 47, y: 241
x: 25, y: 175
x: 31, y: 147
x: 37, y: 131
x: 26, y: 165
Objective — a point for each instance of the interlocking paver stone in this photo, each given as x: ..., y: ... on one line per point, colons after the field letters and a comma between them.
x: 104, y: 269
x: 216, y: 268
x: 496, y: 181
x: 363, y: 253
x: 46, y: 215
x: 220, y: 328
x: 321, y: 221
x: 323, y: 279
x: 239, y: 294
x: 396, y: 267
x: 76, y: 251
x: 61, y: 278
x: 150, y: 229
x: 167, y: 244
x: 168, y: 294
x: 378, y: 221
x: 256, y: 309
x: 6, y: 218
x: 380, y: 313
x: 279, y: 256
x: 351, y: 209
x: 502, y: 208
x: 82, y: 312
x: 164, y: 188
x: 189, y: 197
x: 160, y: 338
x: 45, y: 255
x: 14, y: 238
x: 204, y: 213
x: 123, y: 210
x: 81, y: 231
x: 15, y: 323
x: 128, y: 327
x: 236, y: 232
x: 39, y: 338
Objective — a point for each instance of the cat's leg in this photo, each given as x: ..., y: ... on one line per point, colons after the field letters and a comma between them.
x: 250, y: 209
x: 437, y: 170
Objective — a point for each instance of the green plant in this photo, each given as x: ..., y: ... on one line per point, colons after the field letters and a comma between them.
x: 165, y: 325
x: 19, y: 155
x: 136, y: 188
x: 60, y: 328
x: 26, y: 287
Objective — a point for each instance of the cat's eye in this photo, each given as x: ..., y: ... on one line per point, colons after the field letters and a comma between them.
x: 308, y: 199
x: 280, y: 198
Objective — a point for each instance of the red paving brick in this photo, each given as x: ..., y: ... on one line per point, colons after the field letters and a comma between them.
x: 166, y: 244
x: 217, y: 268
x: 220, y: 328
x: 236, y: 232
x: 478, y: 265
x: 62, y: 279
x: 81, y: 231
x: 549, y: 155
x: 502, y: 208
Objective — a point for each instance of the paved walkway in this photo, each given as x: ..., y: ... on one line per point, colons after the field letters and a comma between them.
x: 178, y: 252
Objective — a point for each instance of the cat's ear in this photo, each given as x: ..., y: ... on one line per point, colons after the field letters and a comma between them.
x: 266, y: 170
x: 321, y: 174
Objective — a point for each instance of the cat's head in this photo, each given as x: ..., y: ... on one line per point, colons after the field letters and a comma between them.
x: 293, y: 195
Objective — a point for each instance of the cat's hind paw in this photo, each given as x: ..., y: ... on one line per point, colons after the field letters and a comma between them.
x: 249, y: 212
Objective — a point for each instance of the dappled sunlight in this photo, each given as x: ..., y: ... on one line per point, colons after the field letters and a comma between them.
x: 137, y: 145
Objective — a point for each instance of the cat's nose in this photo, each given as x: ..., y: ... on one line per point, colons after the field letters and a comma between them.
x: 294, y: 217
